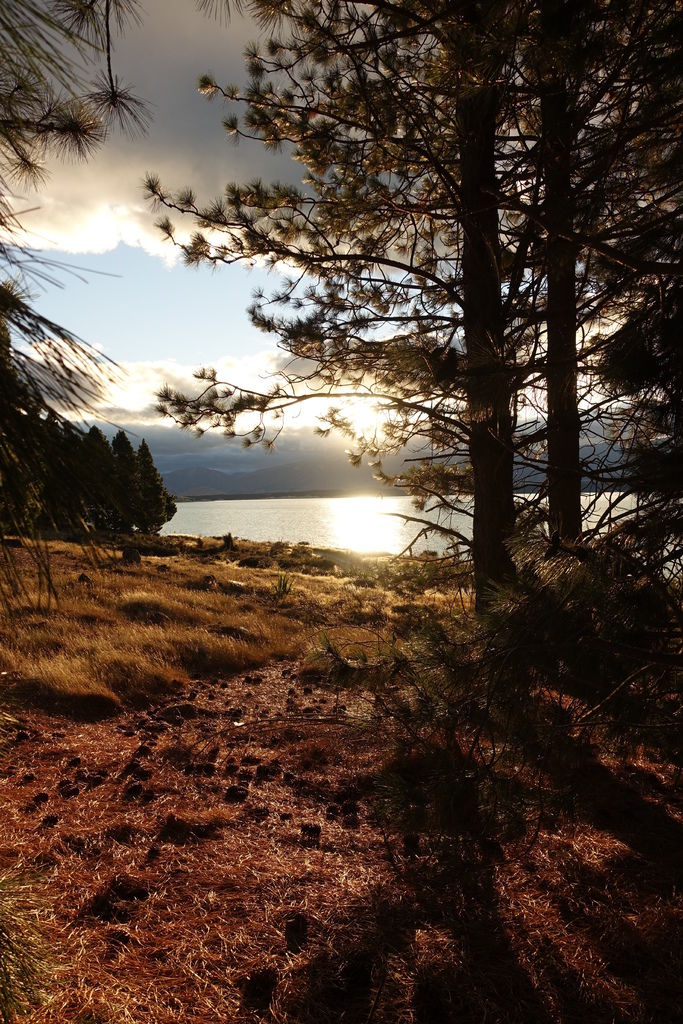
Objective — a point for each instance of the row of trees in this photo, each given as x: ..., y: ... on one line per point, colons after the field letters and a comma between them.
x: 71, y: 479
x: 127, y: 492
x: 486, y: 244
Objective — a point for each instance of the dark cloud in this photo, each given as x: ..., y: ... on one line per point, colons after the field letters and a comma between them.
x: 91, y: 207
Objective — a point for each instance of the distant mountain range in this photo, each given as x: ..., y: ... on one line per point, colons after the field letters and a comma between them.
x: 303, y: 477
x: 315, y: 475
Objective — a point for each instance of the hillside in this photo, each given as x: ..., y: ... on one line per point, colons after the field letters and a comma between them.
x: 290, y: 478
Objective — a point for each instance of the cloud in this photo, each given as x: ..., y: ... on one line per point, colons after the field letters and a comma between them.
x: 131, y: 395
x: 91, y: 207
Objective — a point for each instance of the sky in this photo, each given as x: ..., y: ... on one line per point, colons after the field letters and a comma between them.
x: 116, y: 284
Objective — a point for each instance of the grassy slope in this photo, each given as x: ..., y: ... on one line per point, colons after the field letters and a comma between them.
x: 131, y: 632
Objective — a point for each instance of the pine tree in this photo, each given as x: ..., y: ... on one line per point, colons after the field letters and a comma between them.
x: 20, y: 471
x: 97, y: 480
x: 397, y: 234
x: 479, y: 195
x: 126, y: 484
x: 156, y: 506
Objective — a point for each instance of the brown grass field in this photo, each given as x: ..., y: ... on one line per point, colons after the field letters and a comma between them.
x: 198, y: 812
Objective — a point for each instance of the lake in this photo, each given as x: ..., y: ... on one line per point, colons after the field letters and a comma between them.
x: 365, y: 523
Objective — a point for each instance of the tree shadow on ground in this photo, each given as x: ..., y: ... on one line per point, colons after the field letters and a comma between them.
x: 580, y: 928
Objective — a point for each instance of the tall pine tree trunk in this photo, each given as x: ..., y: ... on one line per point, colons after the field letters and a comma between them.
x: 564, y: 426
x: 490, y: 420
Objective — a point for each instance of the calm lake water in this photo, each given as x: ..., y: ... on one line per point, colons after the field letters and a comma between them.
x: 363, y: 523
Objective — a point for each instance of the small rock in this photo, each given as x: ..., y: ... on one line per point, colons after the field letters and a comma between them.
x: 156, y: 728
x: 234, y: 587
x: 193, y: 694
x: 268, y: 771
x: 179, y: 830
x: 109, y: 903
x: 137, y: 771
x: 130, y: 556
x: 119, y: 937
x: 75, y: 843
x: 178, y: 713
x: 205, y: 768
x: 123, y: 833
x: 84, y: 579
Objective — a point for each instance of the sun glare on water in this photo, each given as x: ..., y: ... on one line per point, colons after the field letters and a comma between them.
x: 366, y: 524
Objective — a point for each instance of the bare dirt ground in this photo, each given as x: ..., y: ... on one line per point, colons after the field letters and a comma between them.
x: 217, y: 858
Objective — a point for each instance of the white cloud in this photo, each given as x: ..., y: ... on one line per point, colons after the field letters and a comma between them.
x: 132, y: 397
x: 93, y: 206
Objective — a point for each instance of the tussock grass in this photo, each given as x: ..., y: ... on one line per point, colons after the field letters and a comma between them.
x: 23, y: 966
x: 127, y: 633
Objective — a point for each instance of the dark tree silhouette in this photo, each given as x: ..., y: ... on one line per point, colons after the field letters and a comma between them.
x: 482, y: 190
x: 156, y: 505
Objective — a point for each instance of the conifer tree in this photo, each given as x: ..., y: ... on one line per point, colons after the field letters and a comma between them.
x: 600, y: 100
x: 126, y: 483
x: 396, y: 121
x: 472, y: 174
x: 98, y: 480
x: 156, y: 506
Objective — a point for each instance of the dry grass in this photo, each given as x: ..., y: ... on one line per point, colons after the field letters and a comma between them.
x: 129, y: 633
